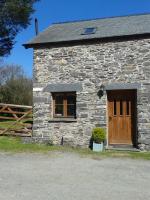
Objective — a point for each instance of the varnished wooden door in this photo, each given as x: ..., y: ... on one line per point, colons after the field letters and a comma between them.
x: 121, y: 116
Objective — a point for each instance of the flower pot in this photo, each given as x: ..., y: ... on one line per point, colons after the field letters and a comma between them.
x: 98, y: 147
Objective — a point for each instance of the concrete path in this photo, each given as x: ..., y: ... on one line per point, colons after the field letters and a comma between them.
x: 68, y: 176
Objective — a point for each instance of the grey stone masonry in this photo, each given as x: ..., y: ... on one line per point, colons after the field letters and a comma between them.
x: 91, y: 66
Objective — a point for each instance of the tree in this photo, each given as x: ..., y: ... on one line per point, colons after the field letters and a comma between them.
x: 14, y: 16
x: 15, y: 86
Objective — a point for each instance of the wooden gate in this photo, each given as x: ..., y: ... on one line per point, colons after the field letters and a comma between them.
x: 18, y: 119
x: 121, y: 116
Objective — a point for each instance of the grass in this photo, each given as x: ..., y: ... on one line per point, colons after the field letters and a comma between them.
x: 14, y: 145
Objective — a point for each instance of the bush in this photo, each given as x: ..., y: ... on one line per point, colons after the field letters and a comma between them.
x: 98, y: 135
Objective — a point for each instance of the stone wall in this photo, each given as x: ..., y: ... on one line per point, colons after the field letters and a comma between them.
x: 91, y: 65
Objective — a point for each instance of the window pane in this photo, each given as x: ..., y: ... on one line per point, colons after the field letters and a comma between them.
x: 127, y: 106
x: 71, y: 110
x: 121, y: 107
x: 71, y: 99
x: 59, y: 110
x: 59, y: 99
x: 89, y: 30
x: 115, y: 111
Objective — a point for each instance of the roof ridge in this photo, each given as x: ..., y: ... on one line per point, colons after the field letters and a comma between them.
x: 83, y: 20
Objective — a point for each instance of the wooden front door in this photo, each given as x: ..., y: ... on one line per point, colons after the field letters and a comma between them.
x: 121, y: 116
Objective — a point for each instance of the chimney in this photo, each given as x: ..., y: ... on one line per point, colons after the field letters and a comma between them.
x: 36, y: 27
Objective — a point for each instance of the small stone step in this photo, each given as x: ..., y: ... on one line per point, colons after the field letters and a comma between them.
x: 123, y: 148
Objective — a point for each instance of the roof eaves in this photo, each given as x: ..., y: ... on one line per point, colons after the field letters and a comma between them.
x: 107, y: 38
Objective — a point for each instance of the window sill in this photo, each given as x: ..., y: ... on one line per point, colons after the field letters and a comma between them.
x: 65, y: 120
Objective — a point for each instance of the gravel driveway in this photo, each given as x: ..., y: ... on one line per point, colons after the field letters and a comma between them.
x: 68, y: 176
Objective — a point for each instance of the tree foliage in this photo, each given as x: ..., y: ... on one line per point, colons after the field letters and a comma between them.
x: 15, y: 86
x: 14, y: 16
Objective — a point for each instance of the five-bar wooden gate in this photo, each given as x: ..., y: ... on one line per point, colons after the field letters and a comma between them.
x: 20, y: 117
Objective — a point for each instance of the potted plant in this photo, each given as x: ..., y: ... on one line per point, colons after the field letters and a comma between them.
x: 98, y: 138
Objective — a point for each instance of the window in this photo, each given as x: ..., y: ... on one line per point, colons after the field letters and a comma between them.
x: 89, y: 30
x: 127, y: 108
x: 64, y: 104
x: 121, y: 107
x: 115, y: 108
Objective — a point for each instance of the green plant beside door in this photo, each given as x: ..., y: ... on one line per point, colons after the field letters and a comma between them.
x: 98, y: 138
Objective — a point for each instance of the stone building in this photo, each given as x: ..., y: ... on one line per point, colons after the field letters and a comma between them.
x: 93, y: 73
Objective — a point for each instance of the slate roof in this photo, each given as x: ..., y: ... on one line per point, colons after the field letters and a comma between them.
x: 105, y: 28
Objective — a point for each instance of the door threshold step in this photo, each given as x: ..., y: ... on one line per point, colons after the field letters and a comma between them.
x: 132, y: 149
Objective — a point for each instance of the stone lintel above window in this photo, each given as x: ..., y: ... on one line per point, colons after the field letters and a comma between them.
x: 63, y: 87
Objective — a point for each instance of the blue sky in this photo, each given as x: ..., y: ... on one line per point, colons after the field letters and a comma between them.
x: 51, y: 11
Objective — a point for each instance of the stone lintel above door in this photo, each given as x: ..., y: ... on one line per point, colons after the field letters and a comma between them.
x: 122, y: 86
